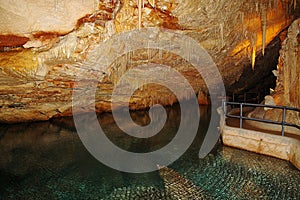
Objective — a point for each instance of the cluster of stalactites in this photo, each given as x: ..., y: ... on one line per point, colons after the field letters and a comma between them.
x: 257, y: 7
x: 261, y: 9
x: 141, y: 4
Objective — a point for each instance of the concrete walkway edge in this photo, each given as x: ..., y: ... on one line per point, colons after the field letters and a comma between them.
x: 263, y: 143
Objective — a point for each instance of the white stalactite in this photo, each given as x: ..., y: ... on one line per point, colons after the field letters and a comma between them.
x: 243, y: 22
x: 222, y: 34
x: 152, y: 3
x: 256, y: 6
x: 148, y: 50
x: 140, y: 2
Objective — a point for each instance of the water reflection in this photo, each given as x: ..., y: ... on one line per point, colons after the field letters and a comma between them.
x: 47, y: 160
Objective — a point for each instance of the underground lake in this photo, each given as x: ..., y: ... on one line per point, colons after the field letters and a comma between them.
x: 47, y: 160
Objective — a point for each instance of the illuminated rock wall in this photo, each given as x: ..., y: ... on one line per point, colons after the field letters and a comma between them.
x: 43, y: 43
x: 288, y: 81
x: 287, y: 91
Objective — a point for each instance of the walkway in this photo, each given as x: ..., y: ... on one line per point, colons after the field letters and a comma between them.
x: 259, y: 139
x: 236, y: 123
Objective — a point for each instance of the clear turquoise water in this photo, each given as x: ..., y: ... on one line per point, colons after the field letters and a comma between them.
x: 46, y: 160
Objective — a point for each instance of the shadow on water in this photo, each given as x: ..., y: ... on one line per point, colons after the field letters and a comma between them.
x: 46, y: 160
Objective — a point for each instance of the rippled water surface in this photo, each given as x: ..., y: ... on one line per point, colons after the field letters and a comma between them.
x: 47, y: 160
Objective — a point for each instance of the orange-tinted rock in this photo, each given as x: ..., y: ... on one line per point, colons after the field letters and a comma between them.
x: 22, y: 17
x: 287, y: 91
x: 36, y: 83
x: 12, y: 40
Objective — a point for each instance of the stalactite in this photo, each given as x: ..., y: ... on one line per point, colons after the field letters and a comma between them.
x: 148, y: 50
x: 63, y: 50
x: 188, y: 53
x: 243, y: 22
x: 222, y: 34
x: 123, y: 65
x: 253, y: 45
x: 140, y: 2
x: 131, y: 59
x: 264, y: 29
x: 287, y: 8
x: 40, y: 61
x: 276, y: 4
x: 216, y: 35
x: 68, y: 53
x: 127, y: 60
x: 295, y: 4
x: 117, y: 9
x: 253, y: 56
x: 152, y: 3
x: 256, y: 6
x: 160, y: 54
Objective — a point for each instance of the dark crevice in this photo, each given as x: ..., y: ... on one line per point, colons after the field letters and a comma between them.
x: 259, y: 81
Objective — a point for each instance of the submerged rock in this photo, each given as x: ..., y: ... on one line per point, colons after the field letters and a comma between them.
x: 180, y: 187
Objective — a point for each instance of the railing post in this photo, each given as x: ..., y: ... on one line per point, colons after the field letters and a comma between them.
x: 283, y: 120
x: 241, y: 115
x: 224, y: 105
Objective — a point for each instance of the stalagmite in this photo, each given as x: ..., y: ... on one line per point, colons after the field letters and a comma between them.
x: 264, y: 29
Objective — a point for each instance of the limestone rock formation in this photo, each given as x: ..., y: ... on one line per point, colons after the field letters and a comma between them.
x: 44, y: 45
x: 288, y: 81
x: 287, y: 91
x: 22, y: 17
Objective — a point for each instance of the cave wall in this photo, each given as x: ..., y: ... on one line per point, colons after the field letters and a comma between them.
x: 43, y: 44
x: 287, y: 91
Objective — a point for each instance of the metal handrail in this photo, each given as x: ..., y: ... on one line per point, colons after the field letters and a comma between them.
x: 283, y: 123
x: 245, y: 95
